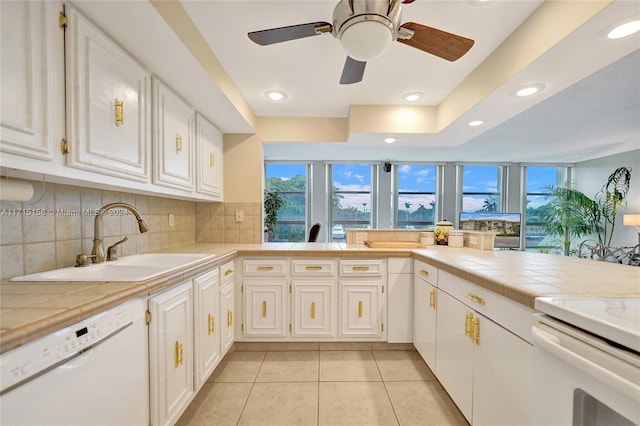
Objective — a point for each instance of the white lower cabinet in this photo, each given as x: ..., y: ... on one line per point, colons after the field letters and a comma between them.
x: 265, y: 308
x: 227, y: 309
x: 485, y: 367
x: 400, y: 300
x: 171, y: 353
x: 424, y: 308
x: 206, y: 325
x: 360, y: 308
x: 313, y: 308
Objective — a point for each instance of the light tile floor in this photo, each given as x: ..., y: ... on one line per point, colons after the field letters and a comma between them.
x: 322, y: 387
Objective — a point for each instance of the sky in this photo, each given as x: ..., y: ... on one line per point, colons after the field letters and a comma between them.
x: 413, y: 177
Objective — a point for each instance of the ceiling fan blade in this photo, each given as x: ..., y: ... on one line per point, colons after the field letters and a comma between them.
x: 353, y: 71
x: 292, y: 32
x: 437, y: 42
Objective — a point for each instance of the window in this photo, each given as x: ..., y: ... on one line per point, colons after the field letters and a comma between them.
x: 539, y: 180
x: 351, y: 198
x: 291, y: 181
x: 481, y: 189
x: 416, y: 192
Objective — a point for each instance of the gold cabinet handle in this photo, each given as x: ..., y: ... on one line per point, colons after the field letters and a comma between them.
x: 211, y: 325
x: 432, y: 299
x: 229, y: 318
x: 360, y: 309
x: 211, y: 160
x: 423, y: 272
x: 313, y: 268
x: 264, y: 268
x: 178, y: 144
x: 476, y: 331
x: 359, y: 268
x: 228, y: 272
x: 313, y: 310
x: 477, y: 299
x: 264, y: 309
x: 468, y: 325
x: 178, y: 354
x: 119, y: 107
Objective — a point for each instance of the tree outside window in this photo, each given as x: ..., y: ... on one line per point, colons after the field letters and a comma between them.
x: 291, y: 182
x: 416, y: 196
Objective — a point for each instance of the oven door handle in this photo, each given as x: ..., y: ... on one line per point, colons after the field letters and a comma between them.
x: 553, y: 345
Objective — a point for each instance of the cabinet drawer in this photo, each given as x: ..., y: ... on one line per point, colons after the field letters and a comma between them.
x: 424, y: 271
x: 313, y: 267
x: 226, y: 273
x: 265, y: 267
x: 364, y: 268
x: 511, y: 315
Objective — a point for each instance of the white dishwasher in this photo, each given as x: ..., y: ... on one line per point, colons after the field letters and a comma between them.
x: 91, y: 373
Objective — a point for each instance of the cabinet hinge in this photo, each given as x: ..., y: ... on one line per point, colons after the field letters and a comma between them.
x: 147, y: 318
x: 382, y: 327
x: 62, y: 20
x: 290, y: 328
x: 241, y: 289
x: 382, y: 289
x: 289, y: 288
x: 65, y: 146
x: 242, y: 327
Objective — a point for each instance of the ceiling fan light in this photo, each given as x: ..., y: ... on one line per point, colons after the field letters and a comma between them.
x: 366, y: 40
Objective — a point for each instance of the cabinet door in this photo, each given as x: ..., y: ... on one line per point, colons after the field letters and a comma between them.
x: 174, y: 127
x: 32, y: 79
x: 207, y: 325
x: 361, y: 308
x: 424, y: 327
x: 265, y: 308
x: 171, y: 353
x: 502, y: 372
x: 400, y: 308
x: 209, y: 158
x: 454, y: 351
x: 313, y: 309
x: 108, y: 116
x: 227, y: 307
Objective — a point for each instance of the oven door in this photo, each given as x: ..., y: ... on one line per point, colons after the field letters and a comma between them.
x: 582, y: 380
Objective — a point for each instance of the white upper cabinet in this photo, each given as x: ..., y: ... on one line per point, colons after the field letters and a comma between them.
x: 208, y: 159
x: 174, y: 128
x: 108, y: 116
x: 32, y: 80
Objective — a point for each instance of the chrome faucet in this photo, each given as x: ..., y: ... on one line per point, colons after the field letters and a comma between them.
x: 97, y: 253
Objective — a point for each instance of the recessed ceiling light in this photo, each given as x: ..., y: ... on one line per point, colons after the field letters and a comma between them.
x: 276, y: 95
x: 529, y: 89
x: 475, y: 123
x: 390, y: 139
x: 413, y: 96
x: 624, y: 30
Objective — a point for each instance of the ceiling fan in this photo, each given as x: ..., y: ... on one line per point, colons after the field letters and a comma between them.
x: 366, y: 29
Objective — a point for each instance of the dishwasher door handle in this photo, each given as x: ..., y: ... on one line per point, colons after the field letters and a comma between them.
x: 553, y: 345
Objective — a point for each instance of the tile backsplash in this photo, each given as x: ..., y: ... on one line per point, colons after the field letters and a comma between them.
x: 49, y: 232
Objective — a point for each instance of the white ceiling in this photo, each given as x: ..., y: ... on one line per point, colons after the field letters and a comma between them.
x: 589, y: 108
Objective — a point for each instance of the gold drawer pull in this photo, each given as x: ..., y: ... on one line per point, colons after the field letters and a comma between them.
x: 178, y: 144
x: 476, y: 299
x: 468, y: 325
x: 423, y: 272
x: 313, y: 268
x: 476, y: 331
x: 360, y: 309
x: 178, y: 355
x: 264, y: 309
x: 265, y: 268
x: 359, y: 268
x: 119, y: 107
x: 313, y: 310
x: 432, y: 299
x: 228, y: 272
x: 211, y: 160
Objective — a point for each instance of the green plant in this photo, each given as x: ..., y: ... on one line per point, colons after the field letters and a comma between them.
x: 273, y: 202
x: 608, y: 200
x: 567, y: 215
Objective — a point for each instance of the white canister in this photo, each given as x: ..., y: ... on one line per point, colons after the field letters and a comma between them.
x: 427, y: 238
x: 456, y: 238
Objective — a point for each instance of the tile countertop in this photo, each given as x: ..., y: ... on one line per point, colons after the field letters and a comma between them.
x: 29, y: 310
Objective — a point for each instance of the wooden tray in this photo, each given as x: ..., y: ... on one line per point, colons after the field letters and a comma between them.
x: 393, y: 244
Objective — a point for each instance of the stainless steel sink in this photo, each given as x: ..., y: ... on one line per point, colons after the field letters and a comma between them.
x: 138, y: 267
